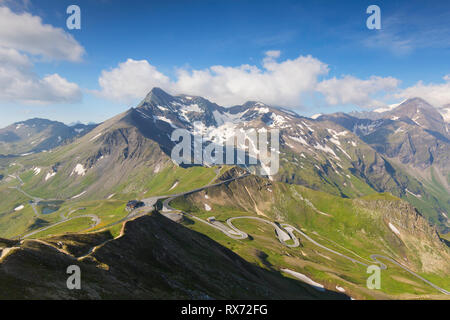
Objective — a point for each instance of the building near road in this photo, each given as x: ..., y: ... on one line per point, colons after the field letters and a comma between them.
x: 134, y: 204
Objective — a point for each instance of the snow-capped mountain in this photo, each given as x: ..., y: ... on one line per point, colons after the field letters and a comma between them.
x: 445, y: 112
x: 388, y: 108
x: 36, y: 135
x: 338, y: 153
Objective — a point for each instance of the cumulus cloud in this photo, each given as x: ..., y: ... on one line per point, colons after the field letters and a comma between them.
x: 351, y: 90
x: 23, y: 36
x: 25, y: 32
x: 18, y: 82
x: 436, y: 94
x: 279, y: 83
x: 131, y: 79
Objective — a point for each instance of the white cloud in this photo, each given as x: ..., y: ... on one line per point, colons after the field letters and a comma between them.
x: 132, y: 79
x: 23, y: 36
x: 273, y: 53
x: 279, y: 83
x: 18, y: 82
x: 436, y: 94
x: 351, y: 90
x: 27, y: 33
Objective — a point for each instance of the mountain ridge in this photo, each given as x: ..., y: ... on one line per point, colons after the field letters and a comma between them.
x: 336, y: 153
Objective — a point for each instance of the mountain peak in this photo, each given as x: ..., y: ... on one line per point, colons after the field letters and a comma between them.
x: 157, y: 96
x: 414, y: 105
x: 419, y: 102
x: 250, y: 104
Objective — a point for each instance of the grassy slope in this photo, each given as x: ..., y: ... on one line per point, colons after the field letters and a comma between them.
x: 14, y: 223
x: 361, y: 232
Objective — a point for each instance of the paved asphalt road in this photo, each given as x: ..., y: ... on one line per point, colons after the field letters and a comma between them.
x: 237, y: 234
x: 289, y: 229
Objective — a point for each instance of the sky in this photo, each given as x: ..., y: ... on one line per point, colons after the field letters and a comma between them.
x: 310, y: 56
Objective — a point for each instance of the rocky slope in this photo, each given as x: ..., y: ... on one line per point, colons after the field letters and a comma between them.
x: 414, y: 138
x: 154, y: 258
x: 338, y: 153
x: 36, y: 135
x: 405, y: 234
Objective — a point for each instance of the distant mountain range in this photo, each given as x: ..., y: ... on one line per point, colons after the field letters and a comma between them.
x: 36, y: 135
x: 405, y: 150
x: 355, y: 182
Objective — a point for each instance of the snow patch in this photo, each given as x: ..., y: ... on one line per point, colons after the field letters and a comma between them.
x: 415, y: 195
x: 340, y: 289
x: 96, y: 136
x: 305, y: 279
x: 388, y: 108
x: 299, y: 139
x: 161, y: 118
x: 78, y: 195
x: 174, y: 185
x: 79, y: 169
x: 394, y: 229
x: 326, y: 149
x: 49, y: 175
x: 277, y: 120
x: 19, y: 208
x: 263, y: 110
x: 207, y: 207
x: 307, y: 126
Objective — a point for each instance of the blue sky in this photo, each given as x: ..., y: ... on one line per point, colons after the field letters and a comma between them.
x: 312, y: 56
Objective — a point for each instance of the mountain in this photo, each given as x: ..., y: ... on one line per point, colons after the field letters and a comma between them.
x: 421, y: 113
x: 316, y: 154
x: 339, y: 154
x: 343, y: 181
x: 445, y: 111
x: 414, y: 132
x: 154, y: 258
x: 413, y: 137
x: 357, y: 224
x: 36, y: 135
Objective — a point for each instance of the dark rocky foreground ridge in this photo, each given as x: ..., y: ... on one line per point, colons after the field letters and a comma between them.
x: 154, y: 258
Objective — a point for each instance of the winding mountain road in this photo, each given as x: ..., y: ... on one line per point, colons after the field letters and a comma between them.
x: 35, y: 201
x: 94, y: 218
x: 282, y: 229
x: 284, y: 232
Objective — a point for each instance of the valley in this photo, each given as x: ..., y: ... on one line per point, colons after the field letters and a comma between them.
x: 350, y: 193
